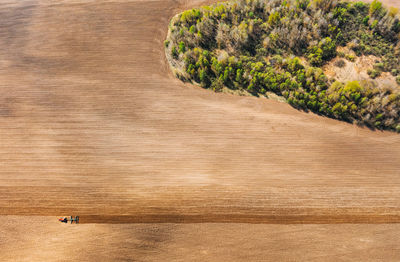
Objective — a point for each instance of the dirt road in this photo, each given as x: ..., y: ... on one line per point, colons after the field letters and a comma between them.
x: 93, y: 123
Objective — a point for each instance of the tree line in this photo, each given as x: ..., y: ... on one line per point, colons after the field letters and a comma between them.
x: 257, y: 46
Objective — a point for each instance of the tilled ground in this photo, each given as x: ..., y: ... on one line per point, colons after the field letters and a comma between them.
x: 51, y: 241
x: 92, y: 123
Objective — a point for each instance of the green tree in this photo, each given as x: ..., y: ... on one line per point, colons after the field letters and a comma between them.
x: 174, y: 52
x: 182, y: 47
x: 375, y: 7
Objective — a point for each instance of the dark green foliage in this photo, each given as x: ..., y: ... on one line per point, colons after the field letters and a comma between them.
x: 324, y: 51
x: 182, y: 47
x: 340, y: 63
x: 366, y: 20
x: 217, y: 85
x: 398, y: 80
x: 204, y: 78
x: 174, y: 52
x: 255, y: 46
x: 190, y: 16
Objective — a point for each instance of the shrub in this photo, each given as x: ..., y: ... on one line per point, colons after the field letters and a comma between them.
x: 375, y: 7
x: 182, y: 47
x: 166, y: 43
x: 398, y: 80
x: 174, y: 52
x: 217, y: 85
x: 379, y: 66
x: 352, y: 86
x: 341, y: 54
x: 393, y: 11
x: 190, y: 16
x: 374, y: 73
x: 325, y: 50
x: 204, y: 78
x: 366, y: 20
x: 374, y: 24
x: 360, y: 6
x: 273, y: 18
x: 340, y: 63
x: 351, y: 58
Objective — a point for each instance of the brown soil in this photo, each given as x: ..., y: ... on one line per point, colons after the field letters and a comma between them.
x: 93, y: 123
x: 49, y: 240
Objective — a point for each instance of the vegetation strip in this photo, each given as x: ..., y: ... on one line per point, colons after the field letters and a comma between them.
x: 280, y: 46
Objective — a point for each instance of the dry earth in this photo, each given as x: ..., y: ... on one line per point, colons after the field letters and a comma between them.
x: 92, y: 123
x: 358, y: 70
x: 51, y: 241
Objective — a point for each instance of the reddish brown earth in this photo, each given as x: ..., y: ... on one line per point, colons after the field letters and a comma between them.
x: 92, y: 123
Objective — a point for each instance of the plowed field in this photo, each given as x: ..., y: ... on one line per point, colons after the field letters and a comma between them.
x: 92, y: 123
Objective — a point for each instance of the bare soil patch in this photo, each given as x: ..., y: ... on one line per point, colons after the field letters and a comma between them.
x: 358, y: 70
